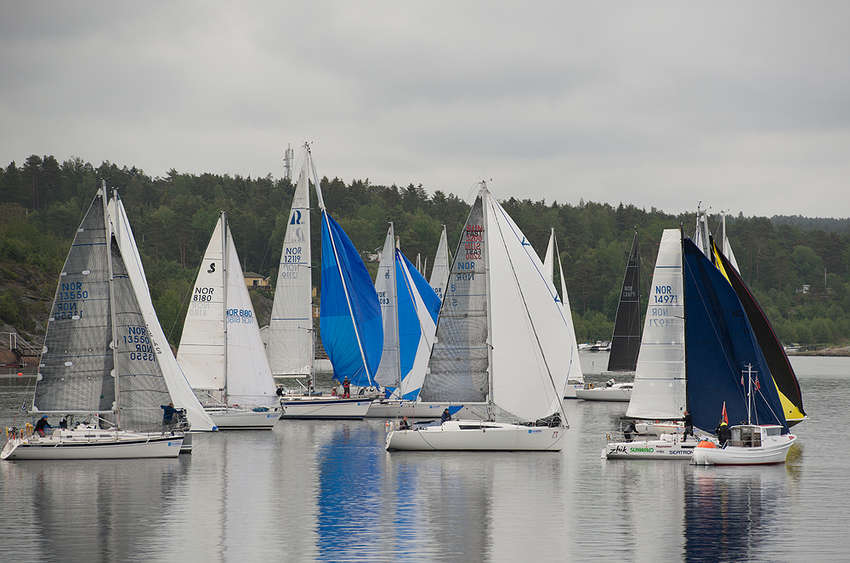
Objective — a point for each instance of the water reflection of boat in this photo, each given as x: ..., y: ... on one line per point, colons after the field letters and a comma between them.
x: 729, y: 511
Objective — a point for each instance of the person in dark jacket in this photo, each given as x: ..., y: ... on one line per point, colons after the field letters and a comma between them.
x: 168, y: 412
x: 689, y: 426
x: 723, y: 433
x: 404, y: 424
x: 629, y: 431
x: 346, y: 388
x: 42, y: 425
x: 446, y: 416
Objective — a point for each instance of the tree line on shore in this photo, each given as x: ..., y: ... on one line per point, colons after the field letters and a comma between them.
x: 798, y: 268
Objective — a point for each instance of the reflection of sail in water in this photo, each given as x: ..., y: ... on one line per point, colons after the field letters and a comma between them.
x: 349, y: 475
x: 734, y: 513
x: 83, y: 511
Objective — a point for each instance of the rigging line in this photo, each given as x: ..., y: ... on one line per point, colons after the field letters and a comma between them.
x: 558, y: 394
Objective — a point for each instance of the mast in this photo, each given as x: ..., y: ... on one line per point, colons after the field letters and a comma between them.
x: 486, y: 222
x: 112, y: 316
x: 224, y: 231
x: 394, y: 285
x: 684, y: 316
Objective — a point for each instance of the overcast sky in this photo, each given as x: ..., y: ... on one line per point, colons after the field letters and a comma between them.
x: 745, y: 106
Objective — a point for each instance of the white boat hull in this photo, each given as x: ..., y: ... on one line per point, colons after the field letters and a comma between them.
x: 605, y: 394
x: 244, y: 419
x: 571, y: 390
x: 410, y: 409
x: 324, y: 408
x: 477, y: 435
x: 665, y: 448
x: 93, y: 444
x: 774, y: 449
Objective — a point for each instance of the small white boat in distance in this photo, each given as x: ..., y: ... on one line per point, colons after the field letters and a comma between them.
x: 477, y: 435
x: 621, y: 392
x: 751, y: 444
x: 91, y: 442
x: 395, y: 408
x: 235, y: 418
x: 324, y: 408
x: 659, y: 427
x: 667, y: 446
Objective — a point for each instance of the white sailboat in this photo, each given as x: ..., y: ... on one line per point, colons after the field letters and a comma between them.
x: 575, y: 377
x: 658, y: 398
x: 409, y: 309
x: 499, y: 339
x: 98, y: 367
x: 442, y: 266
x: 220, y: 350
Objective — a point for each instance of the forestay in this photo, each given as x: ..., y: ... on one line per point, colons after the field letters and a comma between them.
x: 659, y: 387
x: 290, y: 349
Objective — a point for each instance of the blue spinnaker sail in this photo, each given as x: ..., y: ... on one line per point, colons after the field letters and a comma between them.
x: 350, y: 315
x: 719, y: 343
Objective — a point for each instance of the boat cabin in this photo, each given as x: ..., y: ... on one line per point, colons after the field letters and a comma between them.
x: 750, y: 435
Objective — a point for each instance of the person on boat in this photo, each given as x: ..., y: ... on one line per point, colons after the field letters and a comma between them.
x: 168, y: 412
x: 346, y: 388
x: 723, y: 433
x: 630, y: 430
x: 41, y: 425
x: 446, y: 415
x: 63, y: 424
x: 689, y: 426
x: 609, y: 383
x: 333, y: 392
x: 279, y: 391
x: 404, y: 425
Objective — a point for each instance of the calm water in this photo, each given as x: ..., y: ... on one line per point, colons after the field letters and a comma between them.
x: 328, y: 490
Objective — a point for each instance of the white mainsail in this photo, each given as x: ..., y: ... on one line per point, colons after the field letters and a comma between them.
x: 202, y: 350
x: 727, y: 247
x: 659, y: 387
x: 290, y: 349
x: 178, y: 385
x: 388, y: 373
x: 549, y: 258
x: 440, y: 270
x: 221, y: 349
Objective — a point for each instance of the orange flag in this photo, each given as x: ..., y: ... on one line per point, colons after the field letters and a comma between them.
x: 725, y: 418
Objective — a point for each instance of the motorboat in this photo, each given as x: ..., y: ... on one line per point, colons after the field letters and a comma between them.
x: 750, y: 444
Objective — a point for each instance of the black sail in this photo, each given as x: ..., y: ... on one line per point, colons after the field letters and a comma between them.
x: 625, y: 342
x: 774, y: 353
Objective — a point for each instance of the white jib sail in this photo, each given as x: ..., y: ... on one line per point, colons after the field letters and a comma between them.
x: 528, y: 325
x: 290, y: 349
x: 201, y: 350
x: 178, y: 385
x: 659, y: 389
x: 249, y: 378
x: 548, y: 259
x: 388, y: 372
x: 727, y: 248
x: 574, y: 373
x: 442, y: 266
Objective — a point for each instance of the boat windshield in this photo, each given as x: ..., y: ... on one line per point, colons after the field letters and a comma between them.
x: 746, y: 436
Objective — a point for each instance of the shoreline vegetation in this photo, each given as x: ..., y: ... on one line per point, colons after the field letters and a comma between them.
x: 797, y: 267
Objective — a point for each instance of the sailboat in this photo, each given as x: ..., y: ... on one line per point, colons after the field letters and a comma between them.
x: 718, y: 343
x: 349, y: 321
x: 220, y: 350
x: 625, y: 342
x: 442, y: 265
x: 499, y: 343
x: 781, y: 371
x: 98, y: 366
x: 409, y: 308
x: 575, y: 377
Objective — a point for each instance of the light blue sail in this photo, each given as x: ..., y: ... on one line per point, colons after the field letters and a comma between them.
x: 350, y: 314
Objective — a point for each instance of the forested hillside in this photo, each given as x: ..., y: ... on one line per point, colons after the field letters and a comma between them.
x: 43, y: 201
